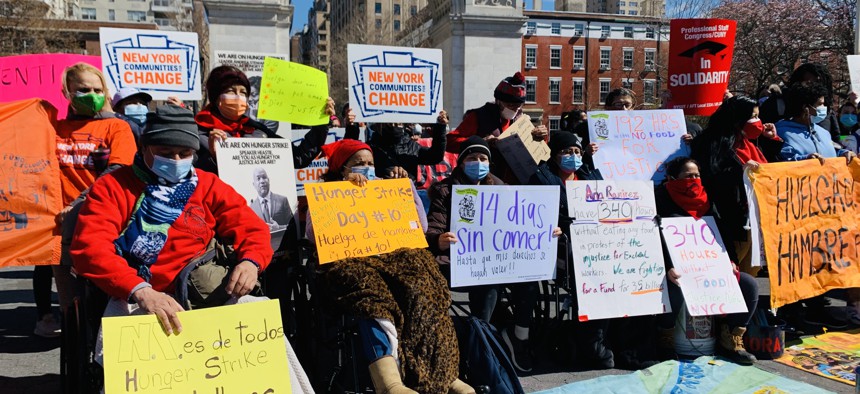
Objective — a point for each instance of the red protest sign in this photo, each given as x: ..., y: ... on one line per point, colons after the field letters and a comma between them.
x: 700, y: 59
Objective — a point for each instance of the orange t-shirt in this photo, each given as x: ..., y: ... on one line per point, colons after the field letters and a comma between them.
x: 77, y: 139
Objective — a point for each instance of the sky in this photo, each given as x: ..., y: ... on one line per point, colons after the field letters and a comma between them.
x: 547, y: 5
x: 300, y: 14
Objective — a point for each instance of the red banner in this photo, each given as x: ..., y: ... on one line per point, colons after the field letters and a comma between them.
x: 700, y: 62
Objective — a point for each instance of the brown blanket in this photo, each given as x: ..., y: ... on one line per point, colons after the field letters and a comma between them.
x: 406, y: 287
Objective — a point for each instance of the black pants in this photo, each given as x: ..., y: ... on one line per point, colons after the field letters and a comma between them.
x: 43, y: 276
x: 483, y: 299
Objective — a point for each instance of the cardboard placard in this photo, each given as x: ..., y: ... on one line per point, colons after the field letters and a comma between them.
x: 523, y: 127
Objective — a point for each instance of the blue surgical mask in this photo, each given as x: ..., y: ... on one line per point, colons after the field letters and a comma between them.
x: 820, y: 114
x: 849, y: 120
x: 136, y: 112
x: 570, y: 163
x: 476, y: 170
x: 368, y: 172
x: 171, y: 170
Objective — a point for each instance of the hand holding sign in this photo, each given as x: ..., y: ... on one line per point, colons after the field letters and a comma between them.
x: 291, y: 92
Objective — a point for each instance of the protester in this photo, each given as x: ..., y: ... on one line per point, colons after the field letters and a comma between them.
x: 132, y: 105
x: 388, y: 291
x: 693, y: 129
x: 570, y: 120
x: 227, y: 90
x: 135, y: 233
x: 775, y: 107
x: 682, y: 195
x: 848, y: 126
x: 398, y: 155
x: 804, y: 139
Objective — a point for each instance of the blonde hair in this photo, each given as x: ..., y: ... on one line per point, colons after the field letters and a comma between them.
x: 72, y: 74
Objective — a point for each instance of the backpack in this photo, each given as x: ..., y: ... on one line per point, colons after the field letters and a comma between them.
x: 483, y: 360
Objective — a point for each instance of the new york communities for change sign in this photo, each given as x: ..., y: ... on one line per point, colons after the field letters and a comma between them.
x: 395, y: 84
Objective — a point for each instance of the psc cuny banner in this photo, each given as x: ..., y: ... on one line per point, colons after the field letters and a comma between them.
x: 700, y: 60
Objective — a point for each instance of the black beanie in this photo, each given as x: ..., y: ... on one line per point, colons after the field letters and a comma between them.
x: 171, y: 125
x: 471, y: 145
x: 561, y: 140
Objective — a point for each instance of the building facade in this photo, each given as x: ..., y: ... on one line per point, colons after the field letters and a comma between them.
x: 315, y: 37
x: 167, y: 14
x: 572, y: 61
x: 655, y: 8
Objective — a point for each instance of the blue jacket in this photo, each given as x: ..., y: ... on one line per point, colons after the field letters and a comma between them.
x: 800, y: 142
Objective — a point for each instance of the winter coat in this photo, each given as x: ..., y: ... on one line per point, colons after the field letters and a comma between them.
x: 723, y: 181
x: 407, y: 153
x: 802, y: 141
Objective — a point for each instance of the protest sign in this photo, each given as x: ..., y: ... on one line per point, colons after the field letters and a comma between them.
x: 809, y: 224
x: 756, y: 250
x: 28, y: 76
x: 161, y: 63
x: 523, y: 127
x: 237, y: 348
x: 292, y: 92
x: 251, y: 63
x: 617, y: 259
x: 395, y: 84
x: 854, y: 72
x: 314, y: 172
x: 353, y: 221
x: 428, y: 175
x: 699, y: 256
x: 700, y: 61
x: 504, y: 234
x: 30, y: 195
x: 633, y: 145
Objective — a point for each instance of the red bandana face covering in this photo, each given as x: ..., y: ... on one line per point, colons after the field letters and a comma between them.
x: 689, y: 195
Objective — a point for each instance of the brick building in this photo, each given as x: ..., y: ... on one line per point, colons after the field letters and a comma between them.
x: 572, y: 60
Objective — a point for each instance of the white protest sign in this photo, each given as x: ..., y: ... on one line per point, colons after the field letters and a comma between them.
x: 854, y: 72
x: 504, y: 234
x: 699, y: 257
x: 251, y: 63
x: 617, y: 258
x: 633, y: 145
x: 161, y: 63
x: 313, y: 173
x: 395, y: 84
x: 756, y: 249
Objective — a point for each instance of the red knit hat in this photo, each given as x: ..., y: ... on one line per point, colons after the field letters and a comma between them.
x: 339, y: 152
x: 512, y: 89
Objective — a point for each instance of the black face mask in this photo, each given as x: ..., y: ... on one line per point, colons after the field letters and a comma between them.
x: 392, y: 132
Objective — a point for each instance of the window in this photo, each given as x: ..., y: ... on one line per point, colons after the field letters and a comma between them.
x: 604, y: 31
x: 137, y: 16
x: 396, y: 25
x: 604, y: 89
x: 649, y: 32
x: 323, y: 36
x: 605, y: 54
x: 162, y: 21
x: 554, y: 123
x: 632, y: 12
x: 161, y: 3
x: 578, y: 57
x: 413, y: 10
x: 531, y: 28
x: 628, y: 58
x: 377, y: 8
x: 628, y: 31
x: 111, y: 15
x: 531, y: 56
x: 555, y: 56
x: 554, y: 90
x: 397, y: 9
x: 579, y: 29
x: 622, y: 3
x: 649, y: 59
x: 578, y: 90
x: 378, y: 24
x: 88, y: 14
x: 620, y: 12
x: 649, y: 85
x: 634, y: 4
x: 531, y: 88
x: 627, y: 83
x: 556, y: 28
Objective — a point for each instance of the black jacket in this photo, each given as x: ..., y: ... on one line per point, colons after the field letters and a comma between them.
x: 407, y: 153
x: 722, y: 176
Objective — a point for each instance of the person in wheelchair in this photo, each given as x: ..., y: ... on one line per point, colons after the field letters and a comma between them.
x: 400, y: 299
x: 143, y: 224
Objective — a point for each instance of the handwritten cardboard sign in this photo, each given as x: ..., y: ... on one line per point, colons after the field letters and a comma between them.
x: 809, y: 223
x: 28, y: 76
x: 617, y: 259
x: 700, y: 61
x: 237, y: 348
x: 699, y: 255
x: 395, y: 84
x: 292, y: 92
x: 314, y: 172
x: 353, y: 221
x: 161, y: 63
x: 504, y: 234
x: 251, y: 63
x: 633, y: 145
x: 523, y: 127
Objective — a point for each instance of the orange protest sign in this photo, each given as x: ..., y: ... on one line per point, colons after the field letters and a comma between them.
x: 30, y: 195
x: 809, y: 223
x: 353, y: 221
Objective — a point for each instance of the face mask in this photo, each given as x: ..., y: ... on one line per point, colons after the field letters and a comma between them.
x: 88, y: 104
x: 232, y: 106
x: 171, y: 170
x: 476, y: 170
x: 849, y: 120
x: 820, y: 114
x: 508, y: 113
x: 570, y: 163
x: 368, y: 172
x: 753, y: 128
x: 136, y: 112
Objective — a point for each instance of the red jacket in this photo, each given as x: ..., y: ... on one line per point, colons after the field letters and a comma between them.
x: 214, y: 208
x: 481, y: 121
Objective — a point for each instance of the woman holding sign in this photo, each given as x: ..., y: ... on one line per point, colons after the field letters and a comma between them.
x: 681, y: 195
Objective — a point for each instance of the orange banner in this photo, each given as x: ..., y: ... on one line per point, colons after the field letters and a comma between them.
x: 29, y: 184
x: 809, y: 223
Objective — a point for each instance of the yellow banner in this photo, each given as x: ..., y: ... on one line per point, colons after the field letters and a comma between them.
x: 353, y: 221
x: 809, y: 217
x: 228, y: 349
x: 292, y: 92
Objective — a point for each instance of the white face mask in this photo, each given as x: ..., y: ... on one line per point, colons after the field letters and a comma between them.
x: 508, y: 113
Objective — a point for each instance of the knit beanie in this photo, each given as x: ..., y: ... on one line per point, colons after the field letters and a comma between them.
x: 171, y: 125
x: 562, y: 140
x: 471, y: 145
x: 223, y: 77
x: 512, y: 89
x: 339, y: 152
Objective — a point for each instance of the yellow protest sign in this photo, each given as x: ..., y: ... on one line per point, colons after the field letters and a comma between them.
x: 809, y: 223
x: 237, y: 348
x: 292, y: 92
x: 353, y: 221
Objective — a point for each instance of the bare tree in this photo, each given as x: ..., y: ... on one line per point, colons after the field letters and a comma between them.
x: 25, y: 29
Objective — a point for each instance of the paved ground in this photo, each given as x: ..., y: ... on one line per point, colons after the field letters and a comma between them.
x: 30, y: 365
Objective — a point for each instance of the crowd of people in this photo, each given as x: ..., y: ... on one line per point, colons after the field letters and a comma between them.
x: 142, y: 199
